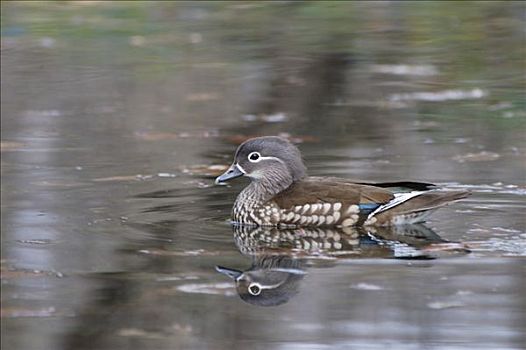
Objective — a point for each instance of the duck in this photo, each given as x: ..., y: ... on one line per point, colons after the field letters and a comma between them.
x: 281, y: 194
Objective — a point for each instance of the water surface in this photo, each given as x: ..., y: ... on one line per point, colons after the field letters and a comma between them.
x: 117, y: 117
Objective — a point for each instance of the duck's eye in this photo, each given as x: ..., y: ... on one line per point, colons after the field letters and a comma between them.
x: 254, y: 157
x: 254, y: 289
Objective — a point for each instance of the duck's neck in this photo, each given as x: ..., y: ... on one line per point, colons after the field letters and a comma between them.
x: 255, y: 195
x: 268, y: 187
x: 261, y: 190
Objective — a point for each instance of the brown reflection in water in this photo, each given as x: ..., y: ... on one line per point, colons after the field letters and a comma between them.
x: 280, y: 257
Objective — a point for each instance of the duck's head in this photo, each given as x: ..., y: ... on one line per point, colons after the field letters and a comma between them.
x: 269, y: 160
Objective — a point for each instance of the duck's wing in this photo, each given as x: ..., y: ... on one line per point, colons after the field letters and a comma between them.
x: 414, y: 207
x: 327, y: 202
x: 330, y: 201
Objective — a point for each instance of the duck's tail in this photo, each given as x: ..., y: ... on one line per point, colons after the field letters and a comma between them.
x: 413, y: 207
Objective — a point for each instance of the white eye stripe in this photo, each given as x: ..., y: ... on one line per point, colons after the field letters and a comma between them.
x: 260, y: 287
x: 274, y: 158
x: 264, y: 158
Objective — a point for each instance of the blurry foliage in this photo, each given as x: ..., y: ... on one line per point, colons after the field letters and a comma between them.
x: 306, y: 26
x: 469, y: 41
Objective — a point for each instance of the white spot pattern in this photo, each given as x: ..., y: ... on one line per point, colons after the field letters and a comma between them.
x: 248, y: 210
x: 353, y: 209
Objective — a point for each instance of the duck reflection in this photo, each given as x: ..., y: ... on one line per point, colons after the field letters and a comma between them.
x: 271, y: 280
x: 280, y: 257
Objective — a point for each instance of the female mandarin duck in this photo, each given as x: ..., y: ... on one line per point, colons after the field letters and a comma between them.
x: 281, y: 194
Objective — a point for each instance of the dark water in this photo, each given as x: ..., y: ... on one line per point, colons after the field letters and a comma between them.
x: 117, y: 117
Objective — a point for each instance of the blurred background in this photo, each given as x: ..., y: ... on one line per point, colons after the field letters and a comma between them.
x: 117, y: 116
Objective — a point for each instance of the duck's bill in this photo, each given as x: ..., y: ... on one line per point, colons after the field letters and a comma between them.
x: 234, y: 274
x: 232, y: 172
